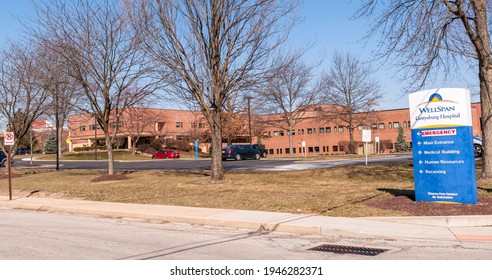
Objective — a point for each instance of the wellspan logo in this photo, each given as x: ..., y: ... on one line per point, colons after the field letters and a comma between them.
x: 436, y: 99
x: 438, y: 109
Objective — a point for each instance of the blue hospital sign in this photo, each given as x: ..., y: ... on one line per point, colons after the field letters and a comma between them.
x: 442, y: 143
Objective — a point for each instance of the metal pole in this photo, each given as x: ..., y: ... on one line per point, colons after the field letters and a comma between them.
x: 30, y: 144
x: 366, y: 152
x: 95, y: 136
x: 57, y: 133
x: 9, y: 172
x: 249, y: 120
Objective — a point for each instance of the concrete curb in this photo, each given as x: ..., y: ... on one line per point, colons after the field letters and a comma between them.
x: 441, y: 221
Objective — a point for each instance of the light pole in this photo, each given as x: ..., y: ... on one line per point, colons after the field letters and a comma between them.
x: 95, y: 136
x: 57, y: 131
x: 30, y: 143
x: 249, y: 119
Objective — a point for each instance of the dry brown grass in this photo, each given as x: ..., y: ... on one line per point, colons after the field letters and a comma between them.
x: 338, y: 191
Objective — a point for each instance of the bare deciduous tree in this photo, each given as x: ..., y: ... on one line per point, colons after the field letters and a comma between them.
x: 426, y: 35
x: 213, y: 50
x: 22, y: 94
x: 62, y: 92
x: 102, y: 54
x: 289, y: 93
x: 353, y: 91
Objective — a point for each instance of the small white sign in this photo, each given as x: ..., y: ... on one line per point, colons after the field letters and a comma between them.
x: 366, y: 135
x: 376, y: 139
x: 9, y: 138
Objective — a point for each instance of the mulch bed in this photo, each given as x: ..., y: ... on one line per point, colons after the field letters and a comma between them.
x: 114, y: 177
x: 413, y: 208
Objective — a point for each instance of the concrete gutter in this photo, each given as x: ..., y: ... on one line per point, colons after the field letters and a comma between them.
x: 441, y: 221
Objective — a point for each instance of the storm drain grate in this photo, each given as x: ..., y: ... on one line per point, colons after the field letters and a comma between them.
x: 341, y: 249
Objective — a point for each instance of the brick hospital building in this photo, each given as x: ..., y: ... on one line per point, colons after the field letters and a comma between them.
x: 314, y: 134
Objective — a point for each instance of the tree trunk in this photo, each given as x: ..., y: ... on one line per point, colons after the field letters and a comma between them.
x: 482, y: 45
x: 60, y: 139
x: 109, y: 146
x: 291, y: 141
x: 216, y: 138
x: 134, y: 147
x: 485, y: 74
x: 351, y: 147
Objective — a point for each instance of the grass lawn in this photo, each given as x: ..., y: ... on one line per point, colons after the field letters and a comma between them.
x: 338, y: 191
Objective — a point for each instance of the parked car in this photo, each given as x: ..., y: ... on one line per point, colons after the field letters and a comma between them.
x: 23, y: 151
x: 3, y: 159
x: 163, y: 154
x: 477, y: 146
x: 239, y: 152
x: 263, y: 151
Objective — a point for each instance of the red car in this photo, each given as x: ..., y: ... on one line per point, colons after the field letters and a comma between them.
x: 163, y: 154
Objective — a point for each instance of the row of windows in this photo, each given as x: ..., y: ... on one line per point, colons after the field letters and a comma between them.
x: 193, y: 125
x: 158, y: 126
x: 301, y: 131
x: 321, y: 130
x: 82, y: 128
x: 316, y: 149
x: 390, y: 125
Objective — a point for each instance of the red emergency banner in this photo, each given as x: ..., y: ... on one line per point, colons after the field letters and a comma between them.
x: 439, y: 132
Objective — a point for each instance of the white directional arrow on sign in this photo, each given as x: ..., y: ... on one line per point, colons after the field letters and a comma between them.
x: 421, y: 171
x: 420, y: 161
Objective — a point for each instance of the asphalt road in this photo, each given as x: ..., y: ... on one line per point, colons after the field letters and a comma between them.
x: 191, y: 164
x: 54, y: 236
x: 35, y: 235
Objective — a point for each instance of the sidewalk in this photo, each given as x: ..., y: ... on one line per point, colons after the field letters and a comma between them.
x: 448, y: 229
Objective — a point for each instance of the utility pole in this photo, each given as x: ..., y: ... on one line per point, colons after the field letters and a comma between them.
x: 57, y: 130
x: 249, y: 119
x: 95, y: 136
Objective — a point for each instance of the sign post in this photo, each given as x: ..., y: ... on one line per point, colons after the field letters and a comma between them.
x: 9, y: 140
x: 443, y: 158
x: 366, y: 137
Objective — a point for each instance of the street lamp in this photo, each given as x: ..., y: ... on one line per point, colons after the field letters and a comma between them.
x: 249, y: 119
x: 95, y: 136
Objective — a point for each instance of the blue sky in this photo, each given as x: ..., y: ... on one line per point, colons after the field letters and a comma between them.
x: 327, y: 25
x: 331, y: 26
x: 8, y: 13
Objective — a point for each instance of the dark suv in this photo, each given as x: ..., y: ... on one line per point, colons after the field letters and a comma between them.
x: 239, y: 152
x: 3, y: 158
x: 262, y: 150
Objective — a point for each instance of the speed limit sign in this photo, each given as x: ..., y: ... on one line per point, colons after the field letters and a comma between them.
x: 9, y: 138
